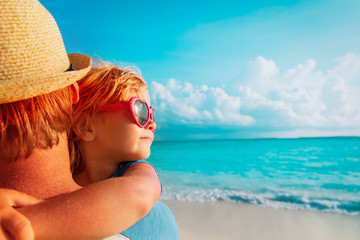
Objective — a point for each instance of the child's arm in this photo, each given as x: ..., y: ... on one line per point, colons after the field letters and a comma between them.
x: 13, y: 225
x: 98, y: 210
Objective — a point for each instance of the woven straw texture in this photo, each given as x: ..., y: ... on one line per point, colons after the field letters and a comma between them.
x: 33, y: 58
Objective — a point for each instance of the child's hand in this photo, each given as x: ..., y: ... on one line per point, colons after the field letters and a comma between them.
x: 14, y: 225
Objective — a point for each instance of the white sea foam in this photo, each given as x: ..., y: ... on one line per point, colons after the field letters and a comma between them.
x: 268, y: 199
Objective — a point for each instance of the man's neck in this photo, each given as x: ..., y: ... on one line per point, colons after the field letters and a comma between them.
x: 46, y: 173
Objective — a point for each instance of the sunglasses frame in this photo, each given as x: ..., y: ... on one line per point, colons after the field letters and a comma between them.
x: 130, y: 104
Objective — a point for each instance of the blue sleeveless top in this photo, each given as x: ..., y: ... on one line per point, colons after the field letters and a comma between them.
x: 158, y: 224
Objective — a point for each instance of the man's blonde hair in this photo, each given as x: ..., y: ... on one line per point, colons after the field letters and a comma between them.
x: 34, y: 122
x: 104, y: 84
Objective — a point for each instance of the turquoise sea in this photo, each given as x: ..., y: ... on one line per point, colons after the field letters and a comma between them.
x: 316, y: 174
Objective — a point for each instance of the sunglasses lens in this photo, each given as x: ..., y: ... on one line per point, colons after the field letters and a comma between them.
x: 141, y: 112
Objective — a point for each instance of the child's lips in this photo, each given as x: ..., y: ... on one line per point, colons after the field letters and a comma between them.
x: 147, y: 138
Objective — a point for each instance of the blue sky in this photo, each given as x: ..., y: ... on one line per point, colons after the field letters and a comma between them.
x: 231, y: 69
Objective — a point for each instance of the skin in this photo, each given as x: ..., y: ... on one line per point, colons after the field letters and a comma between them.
x: 13, y: 224
x: 100, y: 208
x: 112, y: 138
x: 70, y: 211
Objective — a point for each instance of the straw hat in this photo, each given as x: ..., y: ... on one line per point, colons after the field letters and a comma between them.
x: 33, y: 59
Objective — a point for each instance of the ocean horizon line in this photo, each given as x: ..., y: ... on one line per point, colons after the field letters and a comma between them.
x: 252, y: 138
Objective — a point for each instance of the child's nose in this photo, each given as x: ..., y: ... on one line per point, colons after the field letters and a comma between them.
x: 151, y: 125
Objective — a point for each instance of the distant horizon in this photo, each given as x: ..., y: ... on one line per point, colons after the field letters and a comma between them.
x: 254, y: 138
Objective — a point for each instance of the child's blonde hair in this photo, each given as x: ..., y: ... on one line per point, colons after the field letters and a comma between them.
x: 104, y: 84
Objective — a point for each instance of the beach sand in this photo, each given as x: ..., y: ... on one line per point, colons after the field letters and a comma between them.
x: 224, y: 220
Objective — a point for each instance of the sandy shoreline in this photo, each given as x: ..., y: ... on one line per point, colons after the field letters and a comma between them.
x: 223, y: 220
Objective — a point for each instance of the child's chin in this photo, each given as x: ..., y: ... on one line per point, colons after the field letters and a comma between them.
x: 141, y: 156
x: 145, y: 156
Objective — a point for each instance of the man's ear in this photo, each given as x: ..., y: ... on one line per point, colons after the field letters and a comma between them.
x: 75, y: 92
x: 87, y: 135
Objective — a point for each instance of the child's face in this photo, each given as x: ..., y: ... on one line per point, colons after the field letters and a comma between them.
x: 120, y: 138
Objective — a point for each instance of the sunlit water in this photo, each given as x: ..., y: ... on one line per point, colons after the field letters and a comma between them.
x: 319, y: 174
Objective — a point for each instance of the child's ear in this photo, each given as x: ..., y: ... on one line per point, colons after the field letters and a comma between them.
x: 87, y: 135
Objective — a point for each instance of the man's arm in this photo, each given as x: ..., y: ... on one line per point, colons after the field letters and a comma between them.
x: 13, y: 225
x: 98, y: 210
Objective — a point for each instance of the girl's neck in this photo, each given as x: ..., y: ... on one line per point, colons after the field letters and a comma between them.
x: 98, y: 166
x: 95, y: 171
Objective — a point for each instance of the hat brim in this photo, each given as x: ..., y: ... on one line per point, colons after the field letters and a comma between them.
x: 12, y: 91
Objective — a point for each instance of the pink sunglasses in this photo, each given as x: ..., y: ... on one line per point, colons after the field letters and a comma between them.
x: 140, y: 111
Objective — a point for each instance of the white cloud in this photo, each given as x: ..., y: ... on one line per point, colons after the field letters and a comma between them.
x: 183, y: 102
x: 345, y: 79
x: 301, y: 97
x: 263, y: 68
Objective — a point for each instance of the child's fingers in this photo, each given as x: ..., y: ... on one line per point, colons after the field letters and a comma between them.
x: 4, y: 235
x: 15, y: 198
x: 16, y: 226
